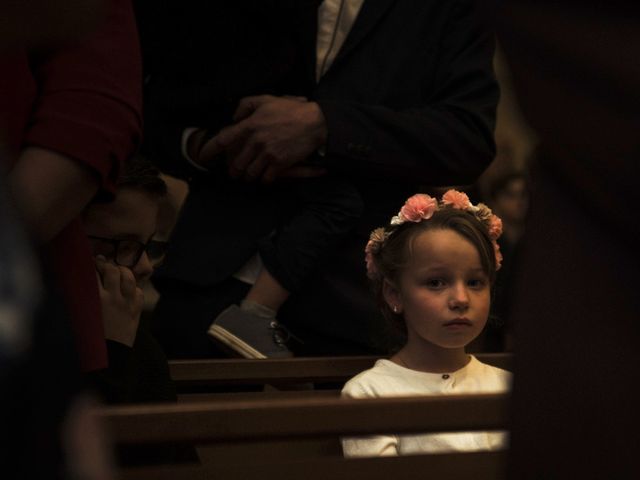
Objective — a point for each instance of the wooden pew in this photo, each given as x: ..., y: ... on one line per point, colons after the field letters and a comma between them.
x: 450, y: 466
x: 191, y: 376
x: 258, y: 435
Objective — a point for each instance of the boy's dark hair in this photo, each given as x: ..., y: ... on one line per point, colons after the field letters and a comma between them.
x: 140, y: 174
x: 394, y: 255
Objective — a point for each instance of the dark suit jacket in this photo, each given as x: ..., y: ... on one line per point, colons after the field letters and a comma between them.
x: 410, y: 100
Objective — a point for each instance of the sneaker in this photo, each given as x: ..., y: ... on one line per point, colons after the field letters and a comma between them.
x: 250, y: 335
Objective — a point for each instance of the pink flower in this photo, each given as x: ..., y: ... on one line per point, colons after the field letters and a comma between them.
x: 372, y: 270
x: 495, y: 227
x: 378, y: 235
x: 498, y: 255
x: 418, y: 207
x: 456, y: 199
x: 375, y: 241
x: 370, y: 246
x: 483, y: 212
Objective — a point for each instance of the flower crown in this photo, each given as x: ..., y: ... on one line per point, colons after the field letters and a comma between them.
x: 421, y: 207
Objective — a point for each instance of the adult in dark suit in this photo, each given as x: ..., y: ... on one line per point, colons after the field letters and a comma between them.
x: 409, y: 100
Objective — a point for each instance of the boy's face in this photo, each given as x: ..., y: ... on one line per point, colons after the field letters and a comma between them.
x: 512, y: 202
x: 131, y: 216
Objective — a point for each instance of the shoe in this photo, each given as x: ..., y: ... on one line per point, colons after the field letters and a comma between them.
x: 250, y: 335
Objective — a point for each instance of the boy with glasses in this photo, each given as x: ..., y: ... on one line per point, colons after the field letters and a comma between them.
x: 121, y: 233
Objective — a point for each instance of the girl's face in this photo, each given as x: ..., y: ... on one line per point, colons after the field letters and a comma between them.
x: 443, y: 293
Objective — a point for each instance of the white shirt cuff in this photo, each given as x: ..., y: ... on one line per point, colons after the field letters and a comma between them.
x: 183, y: 147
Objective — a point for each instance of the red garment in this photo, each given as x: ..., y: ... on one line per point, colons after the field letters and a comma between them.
x: 83, y: 101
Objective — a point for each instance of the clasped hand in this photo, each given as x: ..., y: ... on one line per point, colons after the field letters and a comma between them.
x: 270, y: 138
x: 121, y: 300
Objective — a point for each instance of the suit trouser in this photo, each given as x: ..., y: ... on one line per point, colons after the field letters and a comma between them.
x: 184, y: 314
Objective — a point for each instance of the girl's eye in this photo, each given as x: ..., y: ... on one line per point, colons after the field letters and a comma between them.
x: 476, y: 283
x: 435, y: 283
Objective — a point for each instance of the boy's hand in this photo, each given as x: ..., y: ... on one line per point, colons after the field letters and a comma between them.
x: 121, y: 301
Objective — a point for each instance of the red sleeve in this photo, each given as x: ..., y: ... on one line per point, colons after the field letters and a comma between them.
x: 69, y: 258
x: 90, y: 97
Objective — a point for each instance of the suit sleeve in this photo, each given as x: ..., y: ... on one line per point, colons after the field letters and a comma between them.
x: 448, y: 139
x: 90, y: 100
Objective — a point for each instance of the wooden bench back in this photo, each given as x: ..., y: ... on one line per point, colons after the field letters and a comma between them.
x: 240, y: 434
x: 201, y: 375
x: 243, y: 438
x: 249, y: 420
x: 447, y: 466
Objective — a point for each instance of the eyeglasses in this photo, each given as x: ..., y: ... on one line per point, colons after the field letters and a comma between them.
x: 127, y: 253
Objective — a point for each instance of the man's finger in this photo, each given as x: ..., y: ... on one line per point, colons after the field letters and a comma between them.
x: 248, y: 105
x: 221, y: 142
x: 239, y: 163
x: 296, y: 97
x: 297, y: 171
x: 255, y: 170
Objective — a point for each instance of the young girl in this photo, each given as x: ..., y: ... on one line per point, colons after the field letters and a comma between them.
x: 432, y: 269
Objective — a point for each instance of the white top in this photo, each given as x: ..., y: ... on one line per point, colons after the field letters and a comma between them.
x: 388, y: 379
x: 335, y: 19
